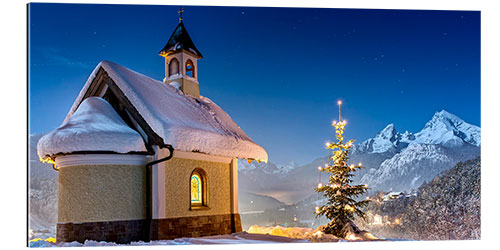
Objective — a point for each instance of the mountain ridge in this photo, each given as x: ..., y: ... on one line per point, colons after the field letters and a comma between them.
x: 393, y: 160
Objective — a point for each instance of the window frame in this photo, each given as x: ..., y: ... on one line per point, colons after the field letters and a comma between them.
x: 204, y: 190
x: 189, y: 63
x: 171, y: 67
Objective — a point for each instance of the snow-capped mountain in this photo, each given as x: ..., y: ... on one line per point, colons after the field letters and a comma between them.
x: 386, y: 141
x: 448, y: 130
x: 393, y: 160
x: 444, y: 129
x: 444, y: 140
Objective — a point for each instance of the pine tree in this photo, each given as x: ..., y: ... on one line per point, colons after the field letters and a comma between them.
x: 341, y: 206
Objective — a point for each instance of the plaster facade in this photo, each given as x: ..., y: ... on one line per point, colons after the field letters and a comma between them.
x: 177, y: 193
x: 92, y: 193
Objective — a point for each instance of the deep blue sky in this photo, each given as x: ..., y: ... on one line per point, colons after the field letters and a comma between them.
x: 278, y: 72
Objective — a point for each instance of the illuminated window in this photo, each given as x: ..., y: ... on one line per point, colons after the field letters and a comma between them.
x: 173, y: 67
x: 190, y: 68
x: 198, y: 189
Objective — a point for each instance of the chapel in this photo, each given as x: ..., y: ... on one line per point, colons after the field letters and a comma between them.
x: 146, y: 159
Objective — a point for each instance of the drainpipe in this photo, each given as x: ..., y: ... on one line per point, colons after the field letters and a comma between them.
x: 149, y: 188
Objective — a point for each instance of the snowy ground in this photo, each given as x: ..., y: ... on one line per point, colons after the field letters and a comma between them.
x: 236, y: 238
x: 255, y: 235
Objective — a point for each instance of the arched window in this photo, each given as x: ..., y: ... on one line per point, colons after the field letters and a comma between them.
x: 198, y: 189
x: 173, y: 67
x: 190, y: 68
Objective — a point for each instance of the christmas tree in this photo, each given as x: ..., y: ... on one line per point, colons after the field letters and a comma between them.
x: 341, y: 206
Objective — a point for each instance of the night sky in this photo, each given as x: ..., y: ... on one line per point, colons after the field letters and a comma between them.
x: 278, y: 72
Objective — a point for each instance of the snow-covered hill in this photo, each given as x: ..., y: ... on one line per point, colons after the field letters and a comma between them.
x: 416, y: 164
x: 42, y: 192
x: 448, y: 207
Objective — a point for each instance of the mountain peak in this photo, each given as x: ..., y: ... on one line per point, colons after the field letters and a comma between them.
x: 388, y: 132
x: 385, y: 141
x: 444, y: 129
x: 445, y: 115
x: 448, y: 129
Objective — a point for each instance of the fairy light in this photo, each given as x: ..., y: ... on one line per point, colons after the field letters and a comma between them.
x: 320, y: 185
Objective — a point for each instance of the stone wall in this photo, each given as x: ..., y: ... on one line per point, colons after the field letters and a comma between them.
x: 112, y: 231
x: 158, y: 229
x: 196, y: 226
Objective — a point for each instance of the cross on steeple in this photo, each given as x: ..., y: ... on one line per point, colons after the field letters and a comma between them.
x: 180, y: 14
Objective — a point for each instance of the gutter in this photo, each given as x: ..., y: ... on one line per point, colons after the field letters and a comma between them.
x: 149, y: 189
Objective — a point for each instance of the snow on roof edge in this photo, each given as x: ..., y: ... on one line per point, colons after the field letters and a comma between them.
x: 95, y: 126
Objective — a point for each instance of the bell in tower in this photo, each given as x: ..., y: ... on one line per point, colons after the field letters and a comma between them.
x: 181, y: 61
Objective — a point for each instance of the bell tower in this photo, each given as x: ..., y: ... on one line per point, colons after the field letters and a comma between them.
x: 181, y: 60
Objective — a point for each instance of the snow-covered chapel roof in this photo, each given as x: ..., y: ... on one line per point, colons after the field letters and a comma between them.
x: 94, y: 126
x: 187, y: 123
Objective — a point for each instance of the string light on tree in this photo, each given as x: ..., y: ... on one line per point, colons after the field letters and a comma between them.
x: 341, y: 206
